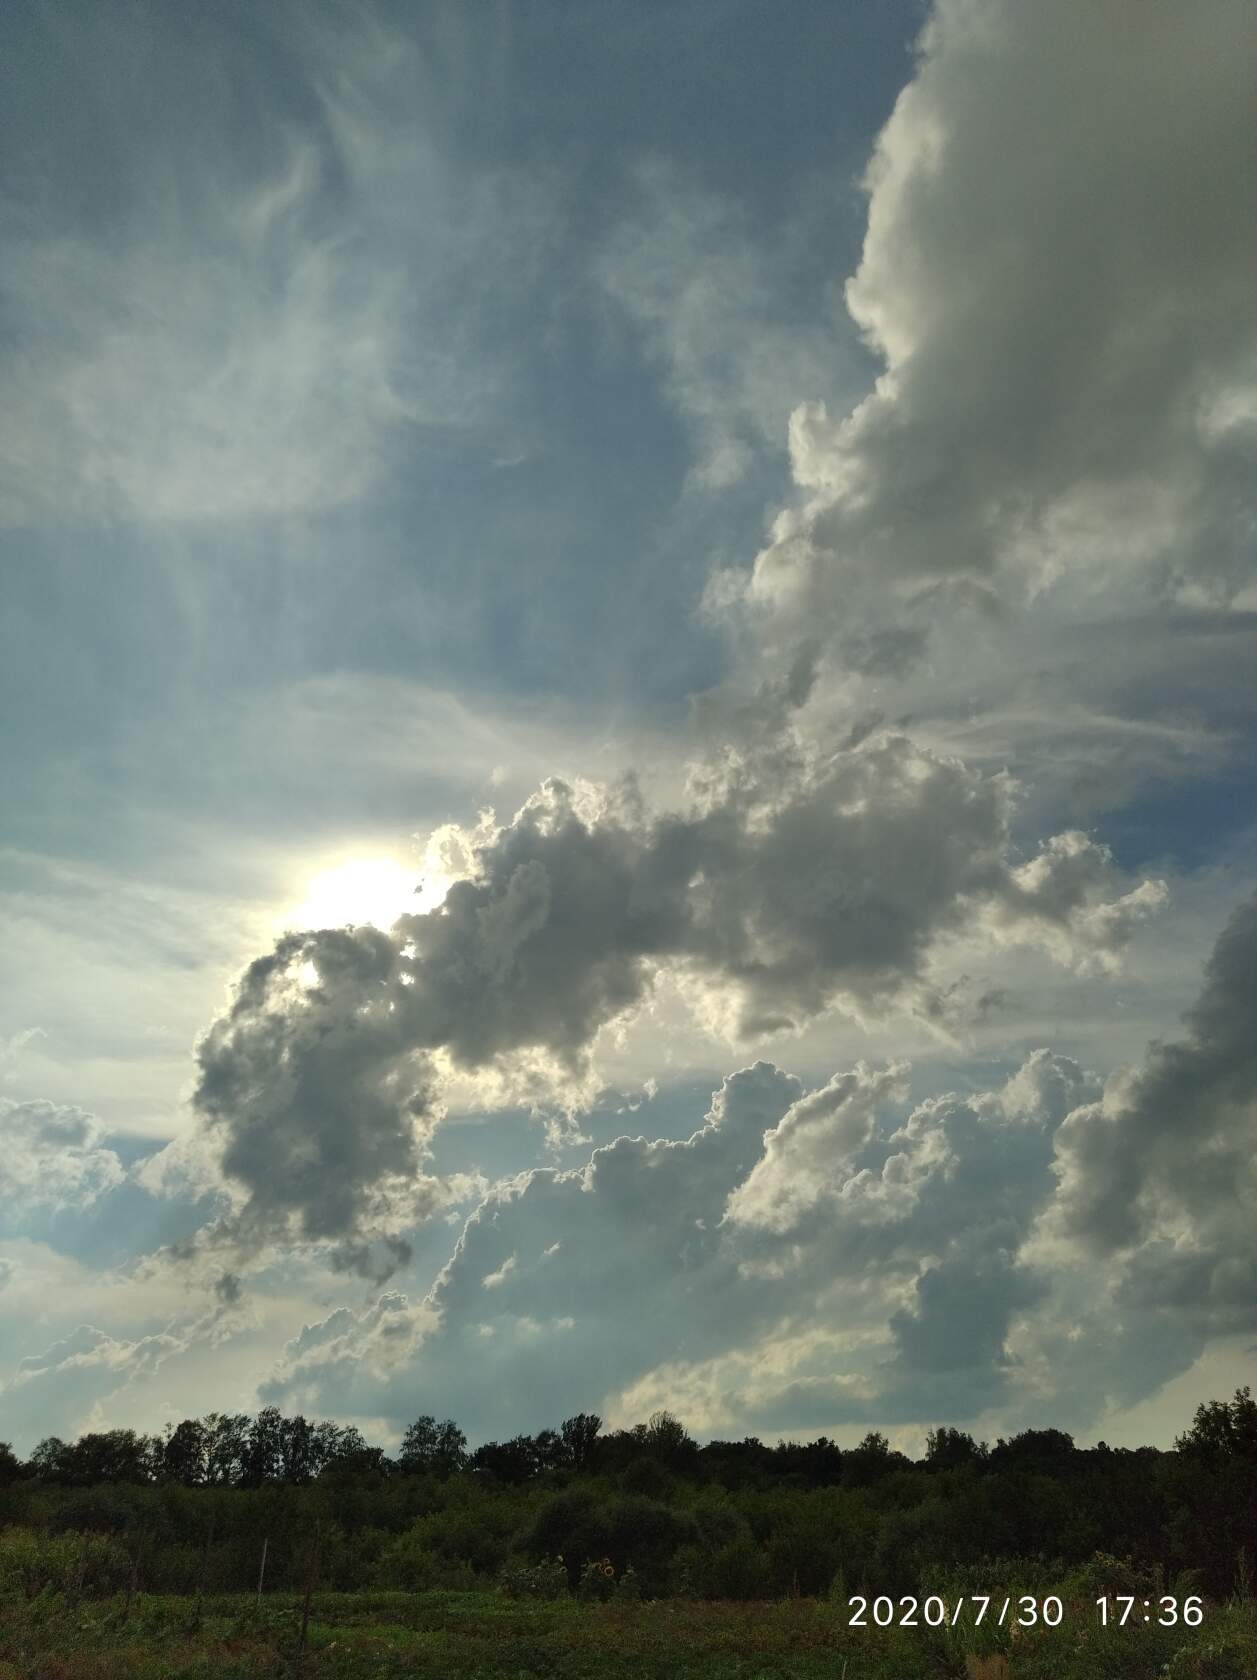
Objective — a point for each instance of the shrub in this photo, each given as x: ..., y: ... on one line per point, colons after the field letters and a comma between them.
x: 1221, y: 1658
x: 1106, y: 1576
x: 739, y: 1570
x: 545, y: 1580
x: 31, y: 1563
x: 597, y: 1580
x: 628, y: 1587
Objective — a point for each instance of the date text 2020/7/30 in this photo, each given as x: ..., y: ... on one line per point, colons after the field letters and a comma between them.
x: 1025, y: 1611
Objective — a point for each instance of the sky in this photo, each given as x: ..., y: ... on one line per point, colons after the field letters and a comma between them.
x: 630, y: 741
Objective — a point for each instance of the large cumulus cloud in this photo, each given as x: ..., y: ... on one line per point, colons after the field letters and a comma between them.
x: 805, y: 1258
x: 1050, y: 1247
x: 792, y: 883
x: 1057, y: 275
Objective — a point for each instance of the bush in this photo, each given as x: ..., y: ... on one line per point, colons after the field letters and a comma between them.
x: 597, y: 1580
x: 1221, y: 1658
x: 31, y: 1563
x: 739, y: 1570
x: 544, y: 1580
x: 1105, y: 1576
x: 628, y: 1587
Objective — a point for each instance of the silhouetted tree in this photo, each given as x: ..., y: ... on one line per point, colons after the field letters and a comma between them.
x: 507, y: 1461
x: 297, y: 1462
x: 1223, y: 1429
x: 948, y: 1449
x: 666, y: 1439
x: 548, y: 1450
x: 810, y: 1463
x: 352, y: 1456
x: 871, y: 1460
x: 184, y: 1453
x: 579, y: 1435
x: 109, y: 1455
x: 263, y: 1448
x: 737, y: 1464
x: 48, y: 1459
x: 437, y: 1447
x: 226, y: 1441
x: 1047, y: 1451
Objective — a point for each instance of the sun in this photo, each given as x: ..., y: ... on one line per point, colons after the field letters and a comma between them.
x: 375, y: 890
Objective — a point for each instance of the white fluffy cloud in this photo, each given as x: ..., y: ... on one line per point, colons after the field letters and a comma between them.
x: 809, y: 1152
x: 51, y: 1158
x: 1057, y: 275
x: 875, y: 1264
x: 59, y: 1390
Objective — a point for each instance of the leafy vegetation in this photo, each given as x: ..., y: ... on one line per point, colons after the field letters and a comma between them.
x: 576, y: 1552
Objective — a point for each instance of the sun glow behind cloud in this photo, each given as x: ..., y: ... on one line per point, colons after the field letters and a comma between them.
x: 375, y: 890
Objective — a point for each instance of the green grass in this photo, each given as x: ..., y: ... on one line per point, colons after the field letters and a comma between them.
x: 479, y: 1636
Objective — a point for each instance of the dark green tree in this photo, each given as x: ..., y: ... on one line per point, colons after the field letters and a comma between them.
x: 263, y: 1448
x: 510, y: 1461
x: 948, y: 1449
x: 870, y: 1461
x: 184, y: 1453
x: 297, y: 1451
x: 667, y: 1440
x: 226, y: 1441
x: 48, y: 1459
x: 1223, y: 1429
x: 579, y: 1435
x: 440, y: 1448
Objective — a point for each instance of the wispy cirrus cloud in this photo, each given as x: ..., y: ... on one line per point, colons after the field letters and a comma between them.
x: 259, y: 335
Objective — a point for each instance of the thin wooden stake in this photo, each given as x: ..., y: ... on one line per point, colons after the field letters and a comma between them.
x: 262, y: 1568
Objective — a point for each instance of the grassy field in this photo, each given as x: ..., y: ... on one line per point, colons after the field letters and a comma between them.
x: 480, y: 1636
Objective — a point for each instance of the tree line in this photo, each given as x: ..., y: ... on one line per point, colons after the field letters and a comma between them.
x: 727, y: 1518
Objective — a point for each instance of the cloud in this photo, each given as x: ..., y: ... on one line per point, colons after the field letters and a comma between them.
x: 811, y: 1148
x: 57, y: 1390
x: 640, y: 1222
x: 1056, y: 275
x: 810, y: 1261
x: 794, y: 883
x: 279, y: 300
x: 143, y: 1346
x: 324, y: 1109
x: 1057, y: 280
x: 1160, y: 1172
x: 51, y: 1158
x: 708, y: 299
x: 11, y: 1048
